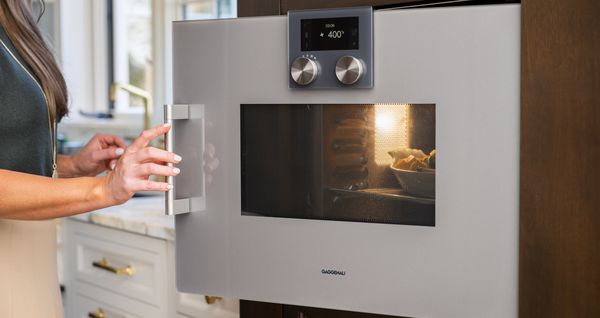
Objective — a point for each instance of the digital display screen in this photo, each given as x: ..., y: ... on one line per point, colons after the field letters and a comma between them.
x: 329, y: 34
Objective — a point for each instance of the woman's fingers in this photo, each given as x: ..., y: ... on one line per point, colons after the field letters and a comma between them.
x: 112, y: 164
x: 151, y: 154
x: 118, y: 141
x: 107, y: 154
x: 148, y: 169
x: 111, y: 140
x: 131, y: 171
x: 147, y: 135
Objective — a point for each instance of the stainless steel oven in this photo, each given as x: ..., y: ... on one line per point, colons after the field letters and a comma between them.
x: 350, y: 159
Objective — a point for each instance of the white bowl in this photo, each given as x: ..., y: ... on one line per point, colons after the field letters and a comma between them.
x: 419, y: 183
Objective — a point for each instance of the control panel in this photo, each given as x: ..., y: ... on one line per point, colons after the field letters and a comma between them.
x: 330, y: 48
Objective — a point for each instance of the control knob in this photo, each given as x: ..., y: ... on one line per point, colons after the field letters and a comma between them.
x: 349, y: 69
x: 304, y: 70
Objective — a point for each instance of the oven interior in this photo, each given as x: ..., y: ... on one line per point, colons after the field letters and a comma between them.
x: 371, y: 163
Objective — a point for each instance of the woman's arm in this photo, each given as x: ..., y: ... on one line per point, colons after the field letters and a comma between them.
x: 30, y: 197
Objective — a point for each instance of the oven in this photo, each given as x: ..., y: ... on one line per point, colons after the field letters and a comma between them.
x: 350, y: 159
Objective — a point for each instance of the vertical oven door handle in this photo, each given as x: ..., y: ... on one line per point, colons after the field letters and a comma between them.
x: 187, y: 124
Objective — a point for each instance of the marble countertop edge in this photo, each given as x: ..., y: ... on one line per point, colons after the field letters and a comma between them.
x: 144, y: 216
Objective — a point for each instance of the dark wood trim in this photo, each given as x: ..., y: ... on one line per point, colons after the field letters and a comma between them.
x: 252, y: 8
x: 319, y: 4
x: 290, y: 311
x: 249, y: 8
x: 560, y: 156
x: 379, y: 4
x: 255, y: 309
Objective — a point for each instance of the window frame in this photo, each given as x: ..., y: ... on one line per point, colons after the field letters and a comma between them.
x: 93, y: 89
x: 55, y: 45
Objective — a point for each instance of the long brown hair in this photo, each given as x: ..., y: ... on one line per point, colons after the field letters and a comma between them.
x: 19, y: 24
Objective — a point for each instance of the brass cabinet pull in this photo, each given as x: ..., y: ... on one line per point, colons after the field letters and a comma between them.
x: 212, y: 299
x: 103, y: 264
x: 97, y: 314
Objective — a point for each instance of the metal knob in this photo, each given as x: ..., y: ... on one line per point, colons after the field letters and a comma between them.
x: 304, y: 70
x: 349, y: 69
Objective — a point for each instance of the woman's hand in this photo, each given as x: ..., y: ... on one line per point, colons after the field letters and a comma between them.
x: 98, y: 155
x: 138, y: 162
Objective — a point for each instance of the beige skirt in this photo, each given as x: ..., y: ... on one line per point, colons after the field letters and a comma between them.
x: 28, y: 271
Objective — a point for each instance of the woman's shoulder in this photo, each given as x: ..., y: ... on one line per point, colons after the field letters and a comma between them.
x: 4, y: 37
x: 8, y: 50
x: 10, y: 59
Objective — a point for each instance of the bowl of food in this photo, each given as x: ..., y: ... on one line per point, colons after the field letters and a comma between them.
x: 415, y: 171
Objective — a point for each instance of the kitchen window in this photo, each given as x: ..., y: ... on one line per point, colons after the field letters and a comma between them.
x: 207, y: 9
x: 126, y: 42
x: 131, y: 62
x: 130, y: 38
x: 49, y: 23
x: 138, y: 41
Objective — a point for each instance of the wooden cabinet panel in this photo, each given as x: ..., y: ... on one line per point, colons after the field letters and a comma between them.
x: 255, y: 309
x: 318, y: 4
x: 253, y: 8
x: 248, y: 8
x: 560, y: 152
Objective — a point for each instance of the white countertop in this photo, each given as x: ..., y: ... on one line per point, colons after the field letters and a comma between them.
x: 144, y: 215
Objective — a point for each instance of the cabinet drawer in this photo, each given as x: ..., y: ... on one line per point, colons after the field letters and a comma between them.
x: 126, y: 264
x: 92, y: 302
x: 88, y: 308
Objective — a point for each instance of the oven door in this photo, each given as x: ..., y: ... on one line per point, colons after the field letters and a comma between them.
x: 301, y: 204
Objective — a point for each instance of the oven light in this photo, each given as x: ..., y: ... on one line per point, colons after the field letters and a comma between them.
x: 384, y: 121
x: 391, y: 130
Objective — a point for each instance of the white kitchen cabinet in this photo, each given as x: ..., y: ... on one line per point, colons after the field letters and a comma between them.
x: 139, y: 262
x: 92, y: 302
x: 120, y: 274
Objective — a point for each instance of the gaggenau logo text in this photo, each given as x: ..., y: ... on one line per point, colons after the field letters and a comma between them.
x: 333, y: 272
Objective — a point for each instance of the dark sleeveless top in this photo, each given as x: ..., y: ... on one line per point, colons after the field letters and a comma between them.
x: 24, y: 132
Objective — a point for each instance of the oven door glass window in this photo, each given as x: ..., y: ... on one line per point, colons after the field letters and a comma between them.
x: 370, y: 163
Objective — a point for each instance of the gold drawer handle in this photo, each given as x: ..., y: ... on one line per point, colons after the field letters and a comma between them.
x: 103, y: 264
x: 212, y: 299
x: 97, y: 314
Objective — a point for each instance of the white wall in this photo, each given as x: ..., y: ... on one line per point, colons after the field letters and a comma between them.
x: 76, y: 52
